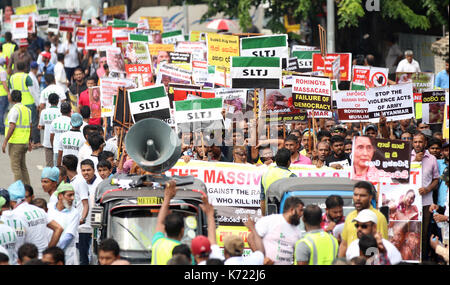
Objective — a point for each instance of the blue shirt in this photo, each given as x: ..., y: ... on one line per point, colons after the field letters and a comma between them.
x: 49, y: 70
x: 442, y: 192
x: 442, y: 79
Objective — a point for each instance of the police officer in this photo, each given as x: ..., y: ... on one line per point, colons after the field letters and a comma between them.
x: 17, y: 134
x: 317, y: 247
x: 274, y: 173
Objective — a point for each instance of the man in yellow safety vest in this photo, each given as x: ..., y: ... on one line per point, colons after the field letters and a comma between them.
x: 317, y: 247
x: 23, y: 82
x: 274, y: 173
x: 17, y: 135
x: 8, y: 47
x: 4, y: 94
x: 171, y: 224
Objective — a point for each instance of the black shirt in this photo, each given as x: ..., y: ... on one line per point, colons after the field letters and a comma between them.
x: 343, y: 159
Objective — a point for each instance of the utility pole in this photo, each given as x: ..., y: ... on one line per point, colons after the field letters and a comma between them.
x: 330, y: 26
x: 186, y: 17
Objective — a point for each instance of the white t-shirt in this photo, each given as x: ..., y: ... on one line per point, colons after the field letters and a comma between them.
x: 84, y: 153
x: 8, y: 240
x: 81, y: 192
x: 69, y: 220
x: 59, y: 126
x: 70, y: 59
x: 86, y: 227
x: 35, y: 222
x: 216, y: 253
x: 49, y: 90
x: 70, y: 142
x: 254, y: 258
x: 9, y: 219
x: 405, y: 66
x: 393, y: 253
x: 279, y: 238
x: 60, y: 76
x: 47, y: 117
x: 34, y: 89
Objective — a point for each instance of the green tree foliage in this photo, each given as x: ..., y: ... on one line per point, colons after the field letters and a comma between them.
x: 422, y: 14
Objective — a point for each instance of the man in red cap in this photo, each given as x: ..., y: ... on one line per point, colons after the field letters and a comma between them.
x: 20, y: 55
x: 46, y: 67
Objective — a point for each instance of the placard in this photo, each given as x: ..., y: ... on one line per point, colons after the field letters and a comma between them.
x: 311, y: 92
x: 149, y: 102
x: 98, y: 37
x: 221, y: 48
x: 351, y: 106
x: 255, y: 72
x: 325, y: 64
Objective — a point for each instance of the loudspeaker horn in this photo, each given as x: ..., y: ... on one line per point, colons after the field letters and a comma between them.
x: 153, y: 145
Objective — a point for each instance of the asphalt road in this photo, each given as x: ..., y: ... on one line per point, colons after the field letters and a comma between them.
x: 35, y: 164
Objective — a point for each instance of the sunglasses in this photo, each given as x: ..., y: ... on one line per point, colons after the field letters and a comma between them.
x: 241, y: 153
x: 362, y: 226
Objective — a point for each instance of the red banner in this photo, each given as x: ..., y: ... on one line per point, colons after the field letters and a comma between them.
x: 97, y: 37
x: 325, y: 64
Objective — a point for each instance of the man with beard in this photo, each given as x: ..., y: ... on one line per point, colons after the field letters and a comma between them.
x: 363, y: 193
x: 316, y: 247
x: 334, y: 213
x: 366, y: 224
x: 280, y: 232
x: 430, y: 181
x: 338, y: 158
x: 68, y: 217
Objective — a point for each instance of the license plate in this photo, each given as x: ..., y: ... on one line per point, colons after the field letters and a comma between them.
x: 149, y: 200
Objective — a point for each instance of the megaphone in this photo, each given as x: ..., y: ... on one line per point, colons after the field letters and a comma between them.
x: 153, y: 145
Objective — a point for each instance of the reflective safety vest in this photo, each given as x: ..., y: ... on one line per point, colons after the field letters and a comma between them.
x: 273, y: 174
x: 8, y: 50
x: 21, y: 134
x: 3, y: 91
x: 322, y: 246
x: 162, y: 251
x: 18, y: 82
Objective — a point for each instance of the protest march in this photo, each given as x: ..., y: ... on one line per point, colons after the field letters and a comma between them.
x: 159, y: 145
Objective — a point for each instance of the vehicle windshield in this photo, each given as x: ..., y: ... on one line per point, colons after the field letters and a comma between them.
x: 134, y: 228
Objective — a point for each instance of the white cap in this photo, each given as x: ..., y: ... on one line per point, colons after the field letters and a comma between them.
x: 366, y: 216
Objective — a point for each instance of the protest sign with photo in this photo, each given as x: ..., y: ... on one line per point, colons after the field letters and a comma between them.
x: 311, y: 92
x: 109, y: 88
x: 149, y: 102
x: 68, y: 22
x: 433, y: 105
x: 278, y: 108
x: 381, y: 160
x: 94, y: 102
x: 351, y: 106
x: 98, y: 37
x: 255, y: 72
x: 265, y: 46
x: 115, y: 60
x: 221, y: 48
x: 136, y: 57
x: 403, y: 200
x: 198, y: 36
x: 169, y: 73
x: 19, y: 26
x: 160, y: 53
x: 395, y: 102
x: 324, y: 64
x: 236, y: 99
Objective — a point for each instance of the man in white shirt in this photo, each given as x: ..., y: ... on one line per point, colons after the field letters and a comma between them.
x: 70, y: 142
x: 366, y: 223
x: 8, y: 237
x: 68, y: 217
x: 49, y: 183
x: 46, y: 118
x: 34, y: 219
x: 85, y: 230
x: 51, y: 88
x: 81, y: 203
x: 60, y: 73
x: 408, y: 64
x: 280, y: 232
x: 59, y: 126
